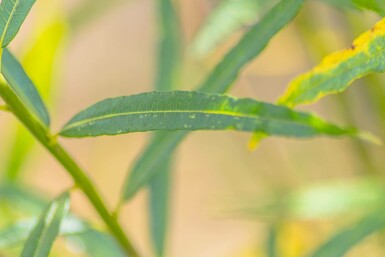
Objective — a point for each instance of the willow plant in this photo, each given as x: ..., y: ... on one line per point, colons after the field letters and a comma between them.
x: 173, y: 114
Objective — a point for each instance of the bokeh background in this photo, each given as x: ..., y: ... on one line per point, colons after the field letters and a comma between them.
x: 225, y: 198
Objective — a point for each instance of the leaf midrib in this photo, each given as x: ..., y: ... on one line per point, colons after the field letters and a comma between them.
x: 210, y: 112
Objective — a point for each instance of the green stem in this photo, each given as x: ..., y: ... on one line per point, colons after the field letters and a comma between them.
x: 78, y: 175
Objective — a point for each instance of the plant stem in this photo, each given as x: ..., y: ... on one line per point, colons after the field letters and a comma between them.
x: 79, y: 176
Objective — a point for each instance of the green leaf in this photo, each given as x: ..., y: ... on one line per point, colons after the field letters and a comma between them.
x: 42, y: 237
x: 228, y: 17
x: 169, y: 46
x: 159, y: 206
x: 17, y: 234
x: 272, y: 241
x: 182, y: 110
x: 250, y: 46
x: 220, y: 80
x: 349, y: 237
x: 339, y: 70
x: 12, y: 16
x: 374, y: 5
x: 24, y: 88
x: 167, y: 70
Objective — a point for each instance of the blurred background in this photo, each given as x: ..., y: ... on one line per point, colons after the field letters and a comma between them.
x: 226, y: 200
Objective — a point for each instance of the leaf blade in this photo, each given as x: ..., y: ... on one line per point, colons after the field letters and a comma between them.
x: 23, y: 86
x: 43, y: 235
x: 183, y: 110
x: 12, y: 16
x: 146, y: 167
x: 344, y: 240
x: 339, y: 70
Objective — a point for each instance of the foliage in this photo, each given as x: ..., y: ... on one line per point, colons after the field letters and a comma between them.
x: 173, y: 113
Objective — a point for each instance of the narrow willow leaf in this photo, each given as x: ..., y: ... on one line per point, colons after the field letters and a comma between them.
x: 341, y: 243
x: 154, y: 156
x: 42, y: 69
x: 374, y: 5
x: 21, y: 199
x: 160, y: 205
x: 22, y: 85
x: 250, y: 46
x: 169, y: 46
x: 272, y: 242
x: 167, y: 70
x: 12, y: 16
x: 339, y: 70
x: 220, y: 80
x: 17, y: 234
x: 182, y: 110
x: 228, y: 17
x: 42, y: 237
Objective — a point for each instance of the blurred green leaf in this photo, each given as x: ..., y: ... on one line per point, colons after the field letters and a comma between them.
x: 183, y: 110
x: 271, y: 242
x: 325, y: 200
x: 344, y: 240
x: 339, y: 70
x: 228, y: 17
x: 42, y: 237
x: 21, y: 199
x: 24, y: 87
x: 331, y: 199
x: 167, y: 70
x: 17, y: 234
x: 374, y: 5
x: 249, y: 47
x: 40, y: 61
x: 160, y: 206
x: 12, y: 16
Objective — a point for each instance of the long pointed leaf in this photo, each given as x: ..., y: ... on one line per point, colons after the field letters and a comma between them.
x: 228, y: 17
x: 167, y: 71
x: 182, y: 110
x: 160, y: 205
x: 339, y: 70
x: 340, y: 244
x: 23, y: 86
x: 41, y: 239
x: 249, y: 47
x: 12, y: 16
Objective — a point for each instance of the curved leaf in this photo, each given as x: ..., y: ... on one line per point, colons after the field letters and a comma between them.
x: 41, y: 239
x: 228, y: 17
x: 17, y: 234
x: 339, y: 70
x: 12, y: 16
x: 347, y: 238
x: 374, y: 5
x: 220, y: 80
x: 23, y: 86
x: 182, y: 110
x: 250, y: 46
